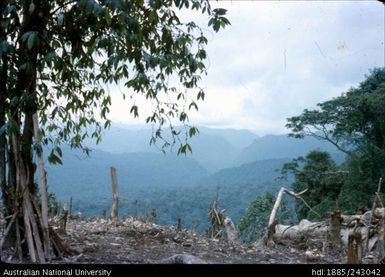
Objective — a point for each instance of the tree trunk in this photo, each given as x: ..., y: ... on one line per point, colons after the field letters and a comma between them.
x: 114, y: 180
x: 270, y: 231
x: 31, y: 222
x: 315, y: 232
x: 5, y: 185
x: 35, y: 249
x: 272, y: 220
x: 43, y: 186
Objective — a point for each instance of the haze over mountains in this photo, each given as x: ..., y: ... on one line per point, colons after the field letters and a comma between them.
x: 235, y: 165
x: 214, y: 149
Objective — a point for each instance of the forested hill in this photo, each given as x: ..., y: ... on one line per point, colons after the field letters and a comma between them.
x: 89, y: 177
x: 281, y: 146
x: 216, y: 149
x: 255, y: 173
x: 213, y: 148
x: 176, y: 186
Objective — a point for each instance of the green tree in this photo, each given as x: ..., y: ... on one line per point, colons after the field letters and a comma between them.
x: 317, y: 173
x: 58, y: 59
x: 253, y: 224
x: 354, y: 123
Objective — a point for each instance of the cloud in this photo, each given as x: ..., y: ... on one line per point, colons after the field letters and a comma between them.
x: 280, y: 57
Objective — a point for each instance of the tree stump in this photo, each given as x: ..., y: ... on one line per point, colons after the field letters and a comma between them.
x: 334, y: 241
x: 355, y: 248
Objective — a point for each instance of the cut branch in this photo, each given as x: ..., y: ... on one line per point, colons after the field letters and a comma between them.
x: 270, y: 231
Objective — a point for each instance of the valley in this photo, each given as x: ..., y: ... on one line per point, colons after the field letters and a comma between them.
x: 177, y: 187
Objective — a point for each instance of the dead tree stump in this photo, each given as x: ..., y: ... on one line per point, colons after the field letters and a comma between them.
x: 231, y: 230
x: 216, y: 220
x: 355, y: 248
x: 334, y: 241
x: 63, y: 220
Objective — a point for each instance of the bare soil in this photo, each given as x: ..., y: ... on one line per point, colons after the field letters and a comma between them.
x: 131, y: 241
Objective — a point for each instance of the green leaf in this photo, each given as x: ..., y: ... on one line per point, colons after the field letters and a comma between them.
x: 193, y: 104
x: 59, y: 151
x: 193, y: 131
x: 201, y: 95
x: 134, y: 109
x: 220, y: 11
x: 32, y: 40
x: 53, y: 159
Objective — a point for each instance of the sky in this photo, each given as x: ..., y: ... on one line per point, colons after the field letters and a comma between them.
x: 278, y: 58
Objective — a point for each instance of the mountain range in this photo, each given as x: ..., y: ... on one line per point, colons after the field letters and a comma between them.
x: 234, y: 165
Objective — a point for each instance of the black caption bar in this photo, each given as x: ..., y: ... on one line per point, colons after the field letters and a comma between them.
x: 115, y: 270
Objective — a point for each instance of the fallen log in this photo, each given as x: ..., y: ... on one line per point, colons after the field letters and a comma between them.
x: 349, y: 224
x: 270, y: 231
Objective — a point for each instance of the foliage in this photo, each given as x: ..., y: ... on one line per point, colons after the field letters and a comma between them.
x: 81, y: 47
x: 59, y: 59
x: 317, y: 173
x: 351, y: 121
x: 184, y: 192
x: 53, y: 204
x: 354, y: 123
x: 253, y: 224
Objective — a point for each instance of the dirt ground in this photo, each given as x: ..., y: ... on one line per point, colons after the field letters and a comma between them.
x: 131, y: 241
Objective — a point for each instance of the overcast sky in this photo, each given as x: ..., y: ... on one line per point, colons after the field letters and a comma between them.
x: 280, y: 57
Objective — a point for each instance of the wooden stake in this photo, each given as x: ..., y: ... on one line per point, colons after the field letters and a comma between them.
x: 70, y: 209
x: 179, y: 224
x: 114, y: 210
x: 355, y: 248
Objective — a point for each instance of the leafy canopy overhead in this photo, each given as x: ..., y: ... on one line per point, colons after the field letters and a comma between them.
x: 75, y: 50
x: 351, y: 121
